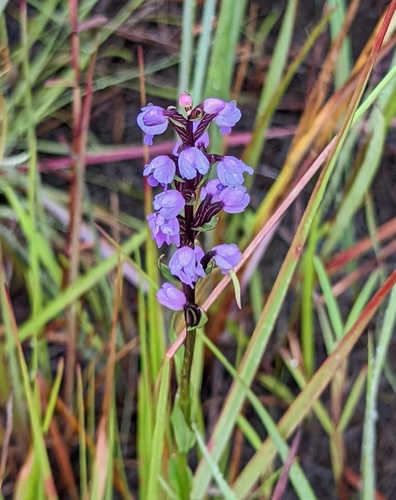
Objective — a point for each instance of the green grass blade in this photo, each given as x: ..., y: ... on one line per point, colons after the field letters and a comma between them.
x: 352, y: 400
x: 187, y: 45
x: 153, y: 490
x: 364, y: 178
x: 225, y: 490
x: 376, y: 367
x: 79, y: 287
x: 263, y: 330
x: 297, y: 477
x: 202, y: 58
x: 304, y: 401
x: 331, y: 303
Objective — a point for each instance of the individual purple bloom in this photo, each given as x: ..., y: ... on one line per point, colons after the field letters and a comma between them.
x: 234, y: 199
x: 191, y: 161
x: 169, y: 204
x: 186, y: 264
x: 152, y: 121
x: 213, y: 189
x: 213, y: 106
x: 230, y: 171
x: 164, y: 230
x: 228, y: 117
x: 226, y: 257
x: 162, y: 169
x: 170, y: 296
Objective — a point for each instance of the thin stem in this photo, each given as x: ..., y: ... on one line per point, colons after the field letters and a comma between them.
x: 185, y: 399
x: 190, y: 311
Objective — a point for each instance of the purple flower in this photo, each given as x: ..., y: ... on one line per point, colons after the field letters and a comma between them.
x: 213, y: 106
x: 152, y: 121
x: 230, y: 171
x: 169, y: 204
x: 191, y: 161
x: 213, y: 189
x: 170, y: 296
x: 234, y: 199
x: 228, y: 117
x: 226, y: 257
x: 161, y: 170
x: 186, y: 265
x: 164, y: 230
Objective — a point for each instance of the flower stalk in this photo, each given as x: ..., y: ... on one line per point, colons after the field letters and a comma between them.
x: 180, y: 216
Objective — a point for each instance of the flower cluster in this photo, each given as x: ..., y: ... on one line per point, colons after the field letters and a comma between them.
x: 180, y: 215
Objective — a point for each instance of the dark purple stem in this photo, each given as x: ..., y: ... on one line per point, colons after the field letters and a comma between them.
x: 191, y: 311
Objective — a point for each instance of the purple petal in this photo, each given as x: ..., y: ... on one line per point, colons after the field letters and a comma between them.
x: 228, y: 117
x: 227, y: 257
x: 230, y: 171
x: 169, y: 296
x: 152, y: 121
x: 164, y: 230
x: 162, y: 168
x: 169, y: 204
x: 213, y: 188
x: 212, y: 106
x: 191, y: 161
x: 184, y: 265
x: 234, y: 199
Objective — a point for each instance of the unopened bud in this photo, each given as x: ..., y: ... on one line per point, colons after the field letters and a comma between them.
x: 185, y: 100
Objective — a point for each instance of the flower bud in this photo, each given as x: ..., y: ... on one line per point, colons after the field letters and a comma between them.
x: 185, y: 100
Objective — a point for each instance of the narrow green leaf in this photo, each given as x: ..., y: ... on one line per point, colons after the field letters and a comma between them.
x: 331, y: 303
x: 159, y: 431
x: 184, y: 436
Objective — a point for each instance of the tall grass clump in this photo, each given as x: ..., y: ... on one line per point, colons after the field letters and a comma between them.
x: 279, y: 294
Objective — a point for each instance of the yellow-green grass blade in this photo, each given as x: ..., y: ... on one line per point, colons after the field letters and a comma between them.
x: 161, y: 418
x: 304, y: 401
x: 362, y: 299
x: 222, y: 61
x: 39, y: 451
x: 225, y: 490
x: 297, y: 476
x: 344, y: 62
x: 81, y: 286
x: 308, y: 340
x: 263, y: 330
x: 202, y: 57
x: 320, y: 411
x: 376, y: 365
x: 252, y: 153
x: 279, y: 57
x: 187, y: 45
x: 355, y: 195
x: 53, y: 396
x: 352, y: 401
x: 331, y: 303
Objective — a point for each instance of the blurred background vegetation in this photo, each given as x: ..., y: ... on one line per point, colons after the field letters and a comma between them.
x: 294, y: 394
